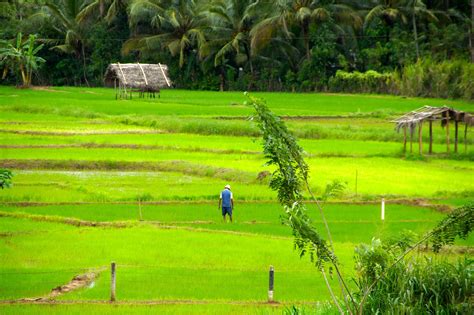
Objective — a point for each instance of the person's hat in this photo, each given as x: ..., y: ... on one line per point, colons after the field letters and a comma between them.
x: 227, y: 186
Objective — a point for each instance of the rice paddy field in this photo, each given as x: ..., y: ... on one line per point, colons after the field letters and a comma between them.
x: 136, y: 182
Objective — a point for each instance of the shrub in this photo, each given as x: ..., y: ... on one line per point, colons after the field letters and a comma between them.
x: 358, y: 82
x: 448, y: 79
x: 413, y: 285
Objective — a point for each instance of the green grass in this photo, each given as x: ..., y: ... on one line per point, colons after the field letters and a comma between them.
x: 214, y: 308
x: 181, y: 102
x: 364, y: 220
x: 74, y: 146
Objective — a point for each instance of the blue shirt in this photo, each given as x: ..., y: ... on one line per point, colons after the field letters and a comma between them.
x: 226, y: 196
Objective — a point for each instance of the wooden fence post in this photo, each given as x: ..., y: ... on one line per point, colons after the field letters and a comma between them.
x: 270, y: 284
x: 112, y: 282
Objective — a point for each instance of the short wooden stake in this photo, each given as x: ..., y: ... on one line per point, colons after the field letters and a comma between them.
x: 270, y: 284
x: 112, y: 282
x: 383, y: 209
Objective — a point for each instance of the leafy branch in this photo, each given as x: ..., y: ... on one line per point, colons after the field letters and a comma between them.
x: 290, y: 179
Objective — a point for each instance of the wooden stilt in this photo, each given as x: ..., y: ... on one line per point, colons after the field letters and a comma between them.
x: 431, y: 137
x: 404, y: 138
x: 456, y: 123
x: 447, y: 132
x: 420, y: 138
x: 465, y: 139
x: 412, y: 130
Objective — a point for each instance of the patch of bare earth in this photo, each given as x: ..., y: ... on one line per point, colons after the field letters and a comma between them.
x: 76, y: 283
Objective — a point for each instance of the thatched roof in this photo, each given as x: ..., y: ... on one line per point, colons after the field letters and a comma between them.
x: 430, y: 113
x: 137, y: 75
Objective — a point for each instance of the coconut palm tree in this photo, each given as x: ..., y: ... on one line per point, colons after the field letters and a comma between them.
x: 180, y: 28
x: 65, y: 18
x: 399, y: 10
x: 231, y: 22
x: 284, y: 14
x: 107, y: 9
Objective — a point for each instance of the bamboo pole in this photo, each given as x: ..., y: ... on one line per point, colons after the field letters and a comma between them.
x: 431, y: 137
x: 420, y: 138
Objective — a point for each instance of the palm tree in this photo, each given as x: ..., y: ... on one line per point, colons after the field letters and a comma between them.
x: 301, y: 13
x: 392, y: 10
x: 65, y: 17
x: 231, y: 22
x: 107, y: 9
x: 181, y: 28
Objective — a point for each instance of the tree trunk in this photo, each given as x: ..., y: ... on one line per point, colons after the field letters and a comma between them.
x: 222, y: 77
x: 101, y: 8
x: 84, y: 64
x: 471, y: 32
x: 306, y: 39
x: 415, y: 32
x: 23, y: 75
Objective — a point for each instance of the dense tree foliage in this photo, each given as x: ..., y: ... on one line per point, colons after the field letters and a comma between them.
x: 239, y: 44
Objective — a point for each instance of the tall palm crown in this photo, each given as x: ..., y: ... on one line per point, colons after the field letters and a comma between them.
x: 283, y: 14
x: 231, y: 22
x: 180, y: 27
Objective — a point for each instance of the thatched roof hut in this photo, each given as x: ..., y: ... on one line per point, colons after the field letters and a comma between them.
x: 428, y: 114
x: 137, y: 76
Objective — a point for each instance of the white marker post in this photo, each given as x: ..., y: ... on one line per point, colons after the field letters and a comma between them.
x: 383, y: 209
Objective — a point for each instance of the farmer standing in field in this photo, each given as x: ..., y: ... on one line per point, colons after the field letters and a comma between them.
x: 227, y: 202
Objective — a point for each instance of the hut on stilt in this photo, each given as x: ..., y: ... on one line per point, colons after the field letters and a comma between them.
x: 146, y: 79
x: 429, y: 114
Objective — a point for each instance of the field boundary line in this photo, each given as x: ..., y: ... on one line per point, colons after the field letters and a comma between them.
x: 64, y: 133
x: 165, y: 226
x: 177, y: 166
x: 92, y: 145
x: 154, y: 302
x: 415, y: 202
x: 67, y: 220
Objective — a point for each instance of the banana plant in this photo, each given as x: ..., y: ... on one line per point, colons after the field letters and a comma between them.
x: 22, y: 57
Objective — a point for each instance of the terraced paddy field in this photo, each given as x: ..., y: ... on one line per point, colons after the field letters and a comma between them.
x: 136, y: 182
